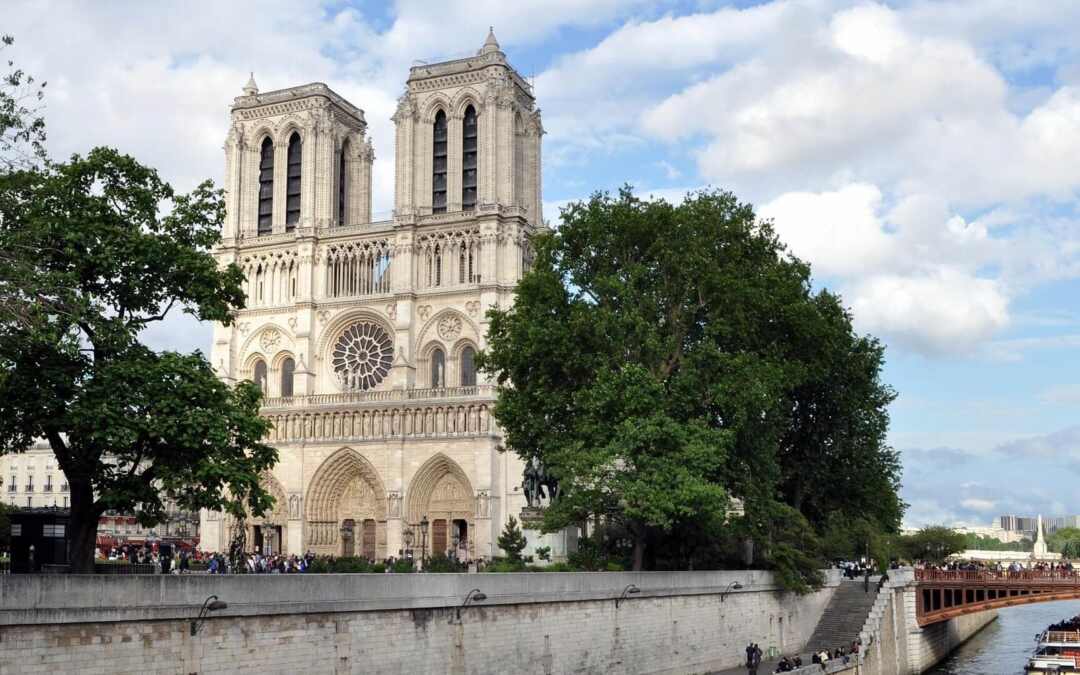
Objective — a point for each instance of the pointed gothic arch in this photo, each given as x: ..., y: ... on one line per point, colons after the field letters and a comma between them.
x: 441, y: 492
x: 345, y: 508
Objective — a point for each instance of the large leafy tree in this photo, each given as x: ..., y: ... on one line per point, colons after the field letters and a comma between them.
x: 103, y: 248
x: 659, y: 360
x: 22, y: 125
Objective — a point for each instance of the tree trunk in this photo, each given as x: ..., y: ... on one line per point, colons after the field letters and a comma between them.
x: 82, y: 528
x: 639, y: 551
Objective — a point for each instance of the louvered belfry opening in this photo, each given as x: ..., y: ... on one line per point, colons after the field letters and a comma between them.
x: 469, y: 166
x: 341, y: 195
x: 438, y: 156
x: 292, y: 185
x: 266, y: 187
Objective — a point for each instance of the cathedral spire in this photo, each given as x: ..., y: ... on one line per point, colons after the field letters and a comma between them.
x: 251, y: 89
x: 490, y: 44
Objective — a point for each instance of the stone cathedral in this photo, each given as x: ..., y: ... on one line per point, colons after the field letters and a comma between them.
x: 363, y: 334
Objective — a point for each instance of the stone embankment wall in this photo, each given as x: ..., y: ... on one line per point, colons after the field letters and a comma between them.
x: 680, y: 622
x: 893, y: 642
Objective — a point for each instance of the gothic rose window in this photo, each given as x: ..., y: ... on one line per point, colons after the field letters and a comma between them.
x: 361, y: 356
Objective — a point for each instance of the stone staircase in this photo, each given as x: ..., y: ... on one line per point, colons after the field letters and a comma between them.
x: 844, y: 617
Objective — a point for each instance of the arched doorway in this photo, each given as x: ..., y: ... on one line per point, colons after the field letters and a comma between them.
x: 441, y: 493
x: 346, y: 508
x: 266, y: 534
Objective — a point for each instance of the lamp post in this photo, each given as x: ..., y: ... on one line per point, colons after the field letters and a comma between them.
x: 733, y: 586
x: 630, y: 589
x: 475, y: 595
x: 211, y: 604
x: 407, y: 538
x: 423, y: 540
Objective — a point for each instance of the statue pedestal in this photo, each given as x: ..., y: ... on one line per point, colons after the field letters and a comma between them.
x: 561, y: 543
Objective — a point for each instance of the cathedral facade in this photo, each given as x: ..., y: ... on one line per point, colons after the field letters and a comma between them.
x: 363, y: 335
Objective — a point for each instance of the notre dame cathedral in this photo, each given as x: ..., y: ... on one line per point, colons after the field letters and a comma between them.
x: 363, y: 334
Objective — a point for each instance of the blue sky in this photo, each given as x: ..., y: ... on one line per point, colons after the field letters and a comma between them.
x: 923, y: 156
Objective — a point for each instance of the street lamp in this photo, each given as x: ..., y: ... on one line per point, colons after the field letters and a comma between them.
x: 407, y: 537
x: 211, y: 604
x: 630, y: 589
x: 423, y: 539
x: 733, y: 586
x: 473, y: 596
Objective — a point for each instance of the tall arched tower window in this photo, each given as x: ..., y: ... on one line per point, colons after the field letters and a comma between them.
x: 341, y: 194
x: 287, y: 368
x: 259, y: 375
x: 292, y: 185
x: 468, y: 367
x: 266, y: 187
x: 469, y: 167
x: 438, y: 157
x: 438, y: 368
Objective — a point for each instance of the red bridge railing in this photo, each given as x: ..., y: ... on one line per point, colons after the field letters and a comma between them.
x: 945, y: 594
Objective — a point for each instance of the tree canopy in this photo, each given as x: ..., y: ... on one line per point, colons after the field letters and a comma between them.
x: 1065, y: 541
x: 662, y: 359
x: 932, y: 544
x: 101, y: 247
x: 22, y: 125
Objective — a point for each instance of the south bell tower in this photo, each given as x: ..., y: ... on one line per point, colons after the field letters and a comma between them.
x: 468, y: 139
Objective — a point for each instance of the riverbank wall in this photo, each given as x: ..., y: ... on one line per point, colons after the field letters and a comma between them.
x: 678, y: 622
x: 893, y: 642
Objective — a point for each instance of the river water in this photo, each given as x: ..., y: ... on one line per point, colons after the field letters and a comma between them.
x: 1003, y: 647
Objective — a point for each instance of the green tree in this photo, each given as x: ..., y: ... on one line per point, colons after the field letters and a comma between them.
x: 129, y: 426
x: 512, y: 540
x: 933, y: 544
x: 1065, y: 541
x: 5, y: 527
x: 22, y: 125
x: 661, y: 359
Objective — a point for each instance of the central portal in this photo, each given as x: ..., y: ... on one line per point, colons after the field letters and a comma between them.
x: 346, y: 508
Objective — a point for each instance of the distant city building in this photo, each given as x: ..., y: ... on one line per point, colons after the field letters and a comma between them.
x: 1026, y: 524
x: 32, y: 479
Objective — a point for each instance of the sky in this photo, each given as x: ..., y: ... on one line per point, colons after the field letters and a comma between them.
x: 924, y: 157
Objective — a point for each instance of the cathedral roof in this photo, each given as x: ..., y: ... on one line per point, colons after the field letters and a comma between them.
x: 250, y: 89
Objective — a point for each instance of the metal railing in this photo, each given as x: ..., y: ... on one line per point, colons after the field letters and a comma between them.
x: 1048, y: 577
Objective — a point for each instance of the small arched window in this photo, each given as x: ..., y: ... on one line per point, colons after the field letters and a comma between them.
x: 469, y: 165
x: 341, y: 194
x: 468, y: 367
x: 438, y: 176
x: 438, y: 368
x: 292, y: 185
x: 266, y: 187
x: 287, y: 368
x: 259, y: 375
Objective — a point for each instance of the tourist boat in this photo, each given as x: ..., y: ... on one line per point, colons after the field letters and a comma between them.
x: 1057, y: 651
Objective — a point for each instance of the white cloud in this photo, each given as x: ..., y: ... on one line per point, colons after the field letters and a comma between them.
x: 839, y: 232
x: 941, y: 312
x: 1062, y: 394
x: 982, y: 505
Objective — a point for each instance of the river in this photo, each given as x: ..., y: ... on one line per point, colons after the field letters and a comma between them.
x: 1003, y: 647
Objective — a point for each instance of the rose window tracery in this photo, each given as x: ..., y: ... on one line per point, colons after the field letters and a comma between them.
x: 362, y: 355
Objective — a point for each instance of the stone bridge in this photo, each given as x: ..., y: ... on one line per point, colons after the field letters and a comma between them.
x: 946, y: 594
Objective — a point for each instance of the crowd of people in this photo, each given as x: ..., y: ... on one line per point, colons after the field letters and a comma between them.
x: 788, y: 664
x: 1061, y: 567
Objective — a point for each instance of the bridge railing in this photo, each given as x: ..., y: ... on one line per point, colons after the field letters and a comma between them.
x: 992, y: 576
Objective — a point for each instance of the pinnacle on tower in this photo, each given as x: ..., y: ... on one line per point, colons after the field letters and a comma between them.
x: 251, y: 89
x: 490, y: 44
